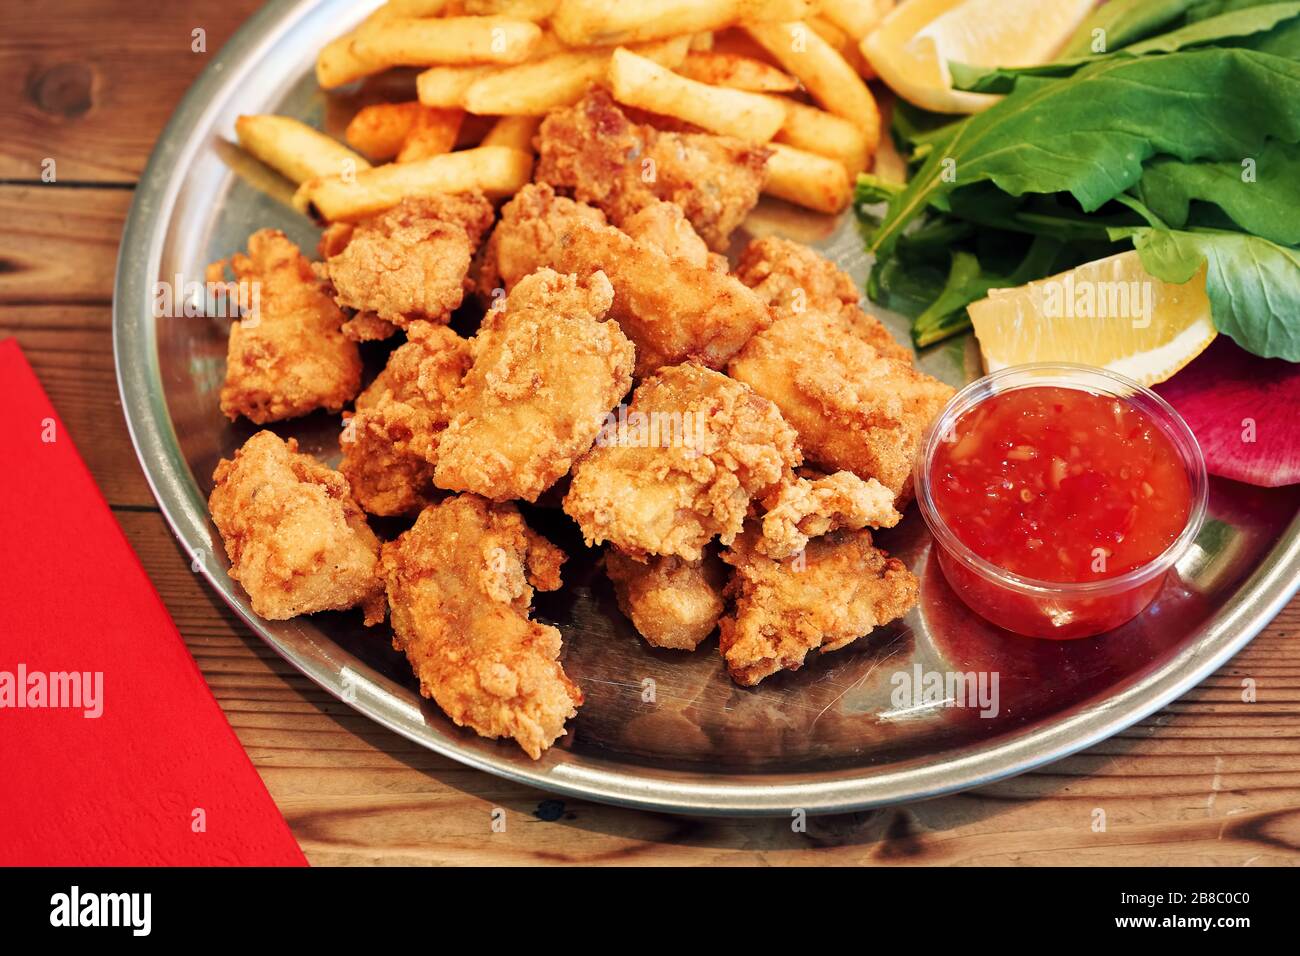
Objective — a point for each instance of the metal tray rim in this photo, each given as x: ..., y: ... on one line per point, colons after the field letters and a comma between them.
x: 1250, y: 609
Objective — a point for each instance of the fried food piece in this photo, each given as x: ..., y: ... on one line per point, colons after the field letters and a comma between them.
x: 840, y: 589
x: 663, y: 226
x: 460, y: 584
x: 368, y: 327
x: 289, y: 357
x: 673, y: 603
x: 855, y: 408
x: 800, y: 509
x: 296, y: 539
x: 389, y: 445
x: 672, y: 309
x: 546, y: 371
x: 595, y: 151
x: 792, y: 278
x: 681, y: 465
x: 534, y: 224
x: 409, y: 262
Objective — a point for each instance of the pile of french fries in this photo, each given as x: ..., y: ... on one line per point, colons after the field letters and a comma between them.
x: 788, y: 74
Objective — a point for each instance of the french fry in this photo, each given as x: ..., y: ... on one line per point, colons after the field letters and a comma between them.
x: 446, y: 86
x: 806, y: 179
x: 295, y: 149
x: 842, y: 44
x: 516, y: 132
x: 636, y: 81
x: 591, y: 22
x: 534, y: 89
x: 405, y: 41
x: 497, y: 171
x: 414, y: 8
x: 816, y: 131
x: 433, y: 133
x: 378, y: 131
x: 737, y: 73
x: 736, y: 41
x: 856, y: 18
x: 535, y: 10
x: 824, y: 73
x: 338, y: 64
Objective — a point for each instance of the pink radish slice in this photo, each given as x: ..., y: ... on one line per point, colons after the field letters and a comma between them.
x: 1244, y: 411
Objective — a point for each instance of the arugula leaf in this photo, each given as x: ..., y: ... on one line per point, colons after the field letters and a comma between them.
x: 1253, y: 284
x: 1122, y: 22
x: 1225, y: 26
x: 1265, y: 206
x: 1089, y: 134
x: 968, y: 281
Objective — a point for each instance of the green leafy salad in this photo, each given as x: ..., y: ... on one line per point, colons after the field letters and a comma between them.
x: 1169, y: 126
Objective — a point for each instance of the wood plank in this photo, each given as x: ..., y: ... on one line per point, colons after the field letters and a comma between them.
x: 71, y: 349
x: 59, y: 245
x: 97, y: 80
x: 1211, y: 779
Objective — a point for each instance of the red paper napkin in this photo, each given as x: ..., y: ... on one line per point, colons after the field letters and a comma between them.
x: 158, y: 777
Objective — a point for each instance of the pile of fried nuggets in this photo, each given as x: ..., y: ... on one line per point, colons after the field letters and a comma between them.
x: 768, y: 413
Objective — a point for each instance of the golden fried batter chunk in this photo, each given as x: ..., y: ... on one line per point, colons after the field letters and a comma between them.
x: 663, y: 226
x: 411, y: 261
x: 534, y: 224
x: 802, y: 508
x: 792, y: 278
x: 839, y: 589
x: 368, y: 327
x: 389, y: 445
x: 460, y: 584
x: 546, y: 371
x: 854, y: 408
x: 595, y: 152
x: 680, y: 465
x: 288, y: 356
x: 296, y: 539
x: 672, y: 309
x: 673, y: 603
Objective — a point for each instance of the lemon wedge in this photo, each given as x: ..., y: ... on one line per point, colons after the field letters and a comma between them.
x: 913, y: 45
x: 1110, y: 313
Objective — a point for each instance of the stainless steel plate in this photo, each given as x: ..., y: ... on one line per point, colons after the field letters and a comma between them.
x: 827, y: 738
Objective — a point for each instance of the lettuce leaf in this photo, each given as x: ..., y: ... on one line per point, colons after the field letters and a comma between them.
x: 1253, y: 284
x: 1089, y: 134
x: 1226, y: 26
x: 1260, y: 195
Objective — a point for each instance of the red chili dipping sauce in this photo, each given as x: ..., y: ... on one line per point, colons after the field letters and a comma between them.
x: 1058, y: 485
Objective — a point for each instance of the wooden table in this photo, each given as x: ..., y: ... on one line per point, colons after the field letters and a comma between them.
x: 1209, y: 780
